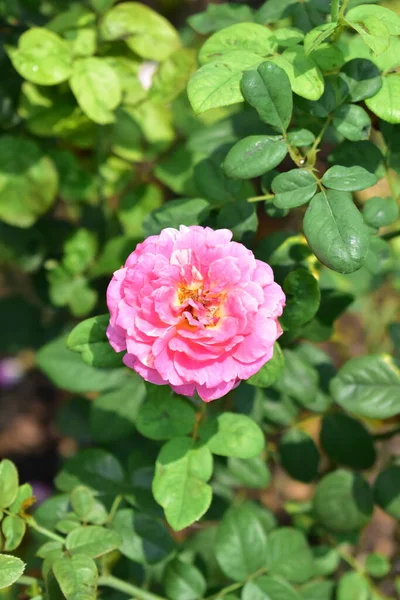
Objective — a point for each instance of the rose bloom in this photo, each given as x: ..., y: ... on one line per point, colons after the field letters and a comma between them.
x: 194, y: 310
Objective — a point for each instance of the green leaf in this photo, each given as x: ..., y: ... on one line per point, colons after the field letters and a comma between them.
x: 251, y: 472
x: 77, y: 577
x: 95, y: 468
x: 90, y: 340
x: 372, y: 30
x: 164, y: 415
x: 293, y: 188
x: 380, y: 212
x: 28, y: 181
x: 241, y: 543
x: 218, y: 16
x: 353, y: 585
x: 11, y: 569
x: 300, y: 137
x: 23, y: 500
x: 92, y: 541
x: 299, y: 379
x: 343, y: 501
x: 304, y: 75
x: 368, y: 386
x: 144, y: 539
x: 242, y: 37
x: 387, y: 490
x: 326, y: 560
x: 316, y: 36
x: 271, y: 371
x: 268, y: 91
x: 352, y: 122
x: 268, y: 588
x: 289, y: 555
x: 217, y: 83
x: 386, y: 16
x: 348, y: 179
x: 184, y: 581
x: 302, y: 299
x: 254, y: 155
x: 347, y: 442
x: 336, y: 232
x: 359, y: 154
x: 182, y: 211
x: 299, y: 455
x: 145, y: 32
x: 288, y: 36
x: 362, y: 78
x: 80, y: 249
x: 52, y: 510
x: 333, y: 304
x: 318, y: 590
x: 179, y: 484
x: 231, y: 434
x: 377, y: 565
x: 113, y: 414
x: 385, y: 104
x: 75, y: 375
x: 172, y: 76
x: 240, y: 218
x: 9, y: 483
x: 42, y: 57
x: 82, y: 502
x: 96, y: 87
x: 13, y: 528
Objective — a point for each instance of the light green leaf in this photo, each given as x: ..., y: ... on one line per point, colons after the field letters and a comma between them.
x: 387, y: 490
x: 231, y: 434
x: 182, y: 211
x: 304, y: 75
x: 316, y: 36
x: 24, y: 498
x: 289, y: 555
x: 352, y: 122
x: 247, y: 37
x: 348, y: 179
x: 218, y: 83
x: 386, y: 16
x: 179, y: 484
x: 302, y: 299
x: 372, y: 30
x: 164, y: 415
x: 380, y: 212
x: 90, y: 340
x: 335, y: 230
x: 386, y: 104
x: 268, y: 91
x: 268, y: 588
x: 13, y: 528
x: 299, y: 455
x: 92, y: 541
x: 8, y: 483
x: 184, y: 581
x: 254, y: 155
x: 145, y: 32
x: 82, y: 501
x: 172, y: 76
x: 11, y: 569
x: 368, y: 386
x: 77, y: 577
x: 353, y: 585
x: 343, y: 501
x: 293, y: 188
x: 377, y: 565
x: 347, y: 442
x: 42, y: 57
x: 241, y: 543
x: 96, y: 87
x: 28, y: 181
x: 271, y: 371
x: 251, y: 472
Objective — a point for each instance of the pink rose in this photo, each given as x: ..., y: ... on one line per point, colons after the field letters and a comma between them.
x: 195, y: 311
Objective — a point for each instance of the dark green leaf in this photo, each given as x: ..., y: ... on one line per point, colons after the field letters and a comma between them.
x: 299, y: 379
x: 299, y: 455
x: 326, y: 560
x: 268, y: 588
x: 241, y: 543
x: 380, y: 212
x: 135, y: 205
x: 387, y: 490
x: 95, y: 468
x: 182, y: 211
x: 302, y: 299
x: 268, y: 91
x: 347, y: 442
x: 348, y: 179
x: 368, y: 386
x: 232, y: 434
x: 164, y: 415
x: 352, y: 122
x: 90, y: 340
x: 293, y: 188
x: 300, y: 137
x: 184, y: 581
x: 336, y: 232
x: 240, y: 218
x: 254, y: 156
x: 218, y: 16
x: 359, y: 154
x: 362, y: 78
x: 251, y: 472
x: 343, y: 501
x: 271, y: 371
x: 289, y: 555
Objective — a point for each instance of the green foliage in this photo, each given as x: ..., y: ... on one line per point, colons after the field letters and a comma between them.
x: 116, y: 125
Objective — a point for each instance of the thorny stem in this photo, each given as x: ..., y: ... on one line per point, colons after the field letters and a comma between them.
x: 128, y: 588
x: 320, y: 135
